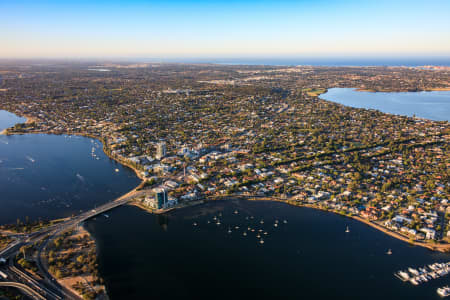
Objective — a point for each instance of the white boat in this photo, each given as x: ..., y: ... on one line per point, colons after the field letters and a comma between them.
x: 261, y: 241
x: 285, y: 221
x: 229, y: 230
x: 443, y: 291
x: 403, y: 275
x: 236, y: 212
x: 117, y: 170
x: 413, y: 271
x: 244, y: 234
x: 389, y: 252
x: 276, y: 224
x: 347, y: 230
x: 195, y: 224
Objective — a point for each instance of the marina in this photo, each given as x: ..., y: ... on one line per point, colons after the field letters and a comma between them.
x: 444, y: 291
x: 424, y: 274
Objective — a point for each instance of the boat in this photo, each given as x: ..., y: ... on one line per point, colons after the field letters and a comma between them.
x: 105, y: 215
x: 195, y: 224
x: 117, y: 170
x: 347, y: 230
x: 244, y: 234
x: 262, y: 221
x: 444, y: 291
x: 285, y: 221
x: 261, y: 241
x: 236, y: 227
x: 276, y: 224
x: 413, y: 271
x: 403, y: 275
x: 218, y: 222
x: 258, y: 235
x: 389, y: 252
x: 235, y: 212
x: 229, y: 230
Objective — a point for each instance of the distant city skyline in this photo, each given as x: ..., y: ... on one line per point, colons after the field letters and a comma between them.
x: 226, y: 29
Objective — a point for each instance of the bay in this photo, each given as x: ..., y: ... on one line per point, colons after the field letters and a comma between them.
x: 429, y: 105
x: 144, y: 256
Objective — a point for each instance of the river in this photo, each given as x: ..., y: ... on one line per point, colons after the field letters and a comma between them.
x: 429, y: 105
x: 53, y: 176
x: 143, y: 256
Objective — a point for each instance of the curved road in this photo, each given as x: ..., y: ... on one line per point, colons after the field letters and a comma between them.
x: 24, y: 288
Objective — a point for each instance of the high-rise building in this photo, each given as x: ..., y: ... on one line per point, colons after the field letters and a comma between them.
x: 160, y: 150
x: 160, y: 198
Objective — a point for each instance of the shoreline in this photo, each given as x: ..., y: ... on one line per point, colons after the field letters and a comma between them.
x: 437, y: 247
x: 443, y: 248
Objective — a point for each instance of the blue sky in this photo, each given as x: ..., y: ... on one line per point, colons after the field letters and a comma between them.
x: 224, y: 28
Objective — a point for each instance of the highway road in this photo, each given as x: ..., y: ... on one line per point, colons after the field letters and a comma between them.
x: 48, y: 288
x: 24, y: 288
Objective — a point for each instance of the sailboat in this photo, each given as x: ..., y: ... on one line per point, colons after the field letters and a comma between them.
x: 347, y: 230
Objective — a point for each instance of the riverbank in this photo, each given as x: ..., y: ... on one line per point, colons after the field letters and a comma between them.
x: 72, y: 259
x: 445, y: 248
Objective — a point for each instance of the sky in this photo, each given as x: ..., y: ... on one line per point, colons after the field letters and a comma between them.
x: 246, y: 28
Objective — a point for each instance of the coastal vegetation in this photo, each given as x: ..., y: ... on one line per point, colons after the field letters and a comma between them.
x: 72, y: 259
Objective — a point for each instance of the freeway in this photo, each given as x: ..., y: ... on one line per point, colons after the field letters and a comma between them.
x: 49, y: 287
x: 24, y: 288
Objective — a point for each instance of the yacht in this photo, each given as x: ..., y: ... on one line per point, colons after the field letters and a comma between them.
x: 389, y: 252
x: 235, y: 212
x: 261, y: 241
x: 229, y: 230
x: 195, y: 224
x: 444, y: 291
x: 276, y: 224
x: 262, y: 222
x: 403, y: 275
x: 347, y: 230
x: 117, y: 170
x: 285, y: 221
x: 244, y: 234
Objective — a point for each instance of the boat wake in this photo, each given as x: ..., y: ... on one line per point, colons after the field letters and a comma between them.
x: 30, y: 158
x: 81, y: 178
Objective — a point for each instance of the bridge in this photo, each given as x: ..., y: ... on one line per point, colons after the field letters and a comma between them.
x: 49, y: 286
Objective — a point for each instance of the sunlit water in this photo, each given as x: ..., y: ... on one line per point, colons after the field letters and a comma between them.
x: 428, y: 105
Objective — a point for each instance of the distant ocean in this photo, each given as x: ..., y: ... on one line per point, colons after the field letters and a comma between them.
x: 332, y: 62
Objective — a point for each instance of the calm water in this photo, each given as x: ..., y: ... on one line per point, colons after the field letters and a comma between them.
x: 8, y: 119
x: 143, y: 256
x: 53, y: 176
x: 429, y: 105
